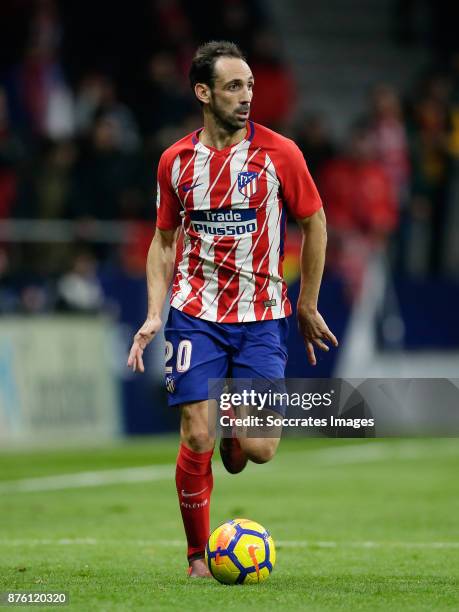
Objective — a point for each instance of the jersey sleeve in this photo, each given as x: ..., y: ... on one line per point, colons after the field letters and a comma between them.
x: 167, y: 203
x: 298, y: 190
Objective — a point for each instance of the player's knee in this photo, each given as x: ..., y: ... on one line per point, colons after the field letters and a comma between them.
x: 263, y: 455
x: 199, y: 440
x: 261, y: 451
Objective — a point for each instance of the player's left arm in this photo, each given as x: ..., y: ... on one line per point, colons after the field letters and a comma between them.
x: 312, y: 326
x: 305, y: 205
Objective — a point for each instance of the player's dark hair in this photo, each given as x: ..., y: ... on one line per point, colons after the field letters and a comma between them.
x: 203, y: 65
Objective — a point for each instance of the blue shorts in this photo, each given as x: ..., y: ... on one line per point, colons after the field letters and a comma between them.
x: 198, y: 350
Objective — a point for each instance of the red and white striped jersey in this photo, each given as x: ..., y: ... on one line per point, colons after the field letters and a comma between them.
x: 231, y: 206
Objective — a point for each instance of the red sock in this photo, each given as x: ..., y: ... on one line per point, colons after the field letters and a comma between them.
x: 193, y: 477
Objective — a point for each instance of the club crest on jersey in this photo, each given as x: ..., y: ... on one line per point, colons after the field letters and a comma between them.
x: 247, y: 183
x: 170, y: 383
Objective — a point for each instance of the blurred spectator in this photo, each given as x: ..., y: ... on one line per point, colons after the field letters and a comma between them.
x: 109, y: 182
x: 358, y: 194
x: 360, y: 205
x: 432, y: 173
x: 22, y: 288
x: 166, y: 136
x: 175, y: 31
x: 315, y: 142
x: 438, y: 86
x: 79, y: 290
x: 454, y: 108
x: 134, y: 252
x: 443, y: 20
x: 35, y: 299
x: 54, y: 181
x: 82, y: 127
x: 236, y: 22
x: 8, y: 294
x: 47, y: 182
x: 387, y: 126
x: 10, y: 153
x: 39, y: 96
x: 97, y: 95
x: 275, y: 96
x: 454, y: 137
x: 45, y: 27
x: 163, y: 98
x: 37, y: 89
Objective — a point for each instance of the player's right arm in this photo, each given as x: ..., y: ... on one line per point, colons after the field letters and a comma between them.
x: 160, y: 268
x: 160, y: 262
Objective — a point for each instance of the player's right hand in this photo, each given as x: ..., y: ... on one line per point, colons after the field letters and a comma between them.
x: 143, y: 337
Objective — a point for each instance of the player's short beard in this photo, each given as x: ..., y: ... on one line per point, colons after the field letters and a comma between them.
x: 226, y: 121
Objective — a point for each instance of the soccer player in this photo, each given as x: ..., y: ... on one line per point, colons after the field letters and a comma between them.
x: 226, y: 187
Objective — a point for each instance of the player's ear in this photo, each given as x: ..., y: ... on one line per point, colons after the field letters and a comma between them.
x: 202, y: 92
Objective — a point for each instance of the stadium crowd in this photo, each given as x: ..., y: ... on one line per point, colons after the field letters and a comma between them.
x: 88, y: 105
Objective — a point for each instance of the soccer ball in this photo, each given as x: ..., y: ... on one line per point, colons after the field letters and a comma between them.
x: 240, y: 552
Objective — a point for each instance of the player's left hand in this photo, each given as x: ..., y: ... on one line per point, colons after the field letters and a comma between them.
x: 315, y: 332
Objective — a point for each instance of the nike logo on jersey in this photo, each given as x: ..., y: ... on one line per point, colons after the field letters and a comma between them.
x: 190, y: 187
x: 185, y: 494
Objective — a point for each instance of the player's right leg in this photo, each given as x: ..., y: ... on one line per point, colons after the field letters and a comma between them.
x: 194, y: 353
x: 194, y: 481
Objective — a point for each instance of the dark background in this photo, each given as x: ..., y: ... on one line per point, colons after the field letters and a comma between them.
x: 92, y: 92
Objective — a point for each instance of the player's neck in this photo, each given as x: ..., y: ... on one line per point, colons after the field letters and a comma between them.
x: 217, y: 137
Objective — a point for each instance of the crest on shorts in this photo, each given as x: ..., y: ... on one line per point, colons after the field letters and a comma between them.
x: 247, y: 183
x: 170, y: 383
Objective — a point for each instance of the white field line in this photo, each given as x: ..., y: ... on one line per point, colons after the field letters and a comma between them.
x: 181, y: 543
x: 381, y: 451
x: 147, y: 473
x: 342, y: 455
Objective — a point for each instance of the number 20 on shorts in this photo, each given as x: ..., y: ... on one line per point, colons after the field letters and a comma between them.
x: 184, y: 350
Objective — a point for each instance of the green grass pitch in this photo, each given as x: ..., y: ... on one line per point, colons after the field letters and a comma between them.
x: 359, y: 525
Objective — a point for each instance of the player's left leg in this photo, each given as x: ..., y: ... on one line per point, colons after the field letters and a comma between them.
x: 259, y: 450
x: 262, y: 356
